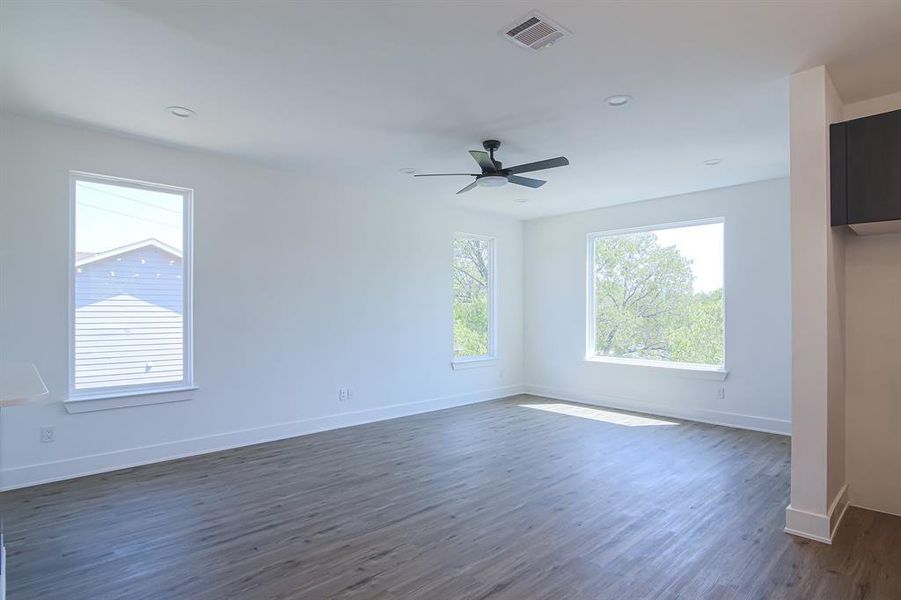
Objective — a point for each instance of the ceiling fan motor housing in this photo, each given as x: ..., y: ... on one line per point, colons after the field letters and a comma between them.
x: 491, y: 146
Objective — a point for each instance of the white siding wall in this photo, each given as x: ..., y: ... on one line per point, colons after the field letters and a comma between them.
x: 128, y: 320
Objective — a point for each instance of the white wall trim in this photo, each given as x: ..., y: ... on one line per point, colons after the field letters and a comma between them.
x: 838, y: 509
x: 693, y: 371
x: 703, y: 415
x: 802, y: 523
x: 47, y: 472
x: 879, y: 510
x: 187, y: 257
x: 816, y: 526
x: 474, y: 363
x: 591, y: 308
x: 126, y: 400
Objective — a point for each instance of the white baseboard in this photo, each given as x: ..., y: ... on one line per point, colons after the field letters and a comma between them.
x: 702, y: 415
x: 884, y: 511
x: 813, y: 526
x: 838, y: 509
x: 816, y: 526
x: 47, y: 472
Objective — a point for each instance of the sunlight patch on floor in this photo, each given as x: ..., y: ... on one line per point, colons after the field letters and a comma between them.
x: 598, y: 414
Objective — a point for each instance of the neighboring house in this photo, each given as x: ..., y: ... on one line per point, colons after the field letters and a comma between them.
x: 128, y: 315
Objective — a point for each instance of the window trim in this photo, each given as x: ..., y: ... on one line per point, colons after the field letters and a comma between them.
x: 482, y: 360
x: 692, y: 369
x: 154, y: 393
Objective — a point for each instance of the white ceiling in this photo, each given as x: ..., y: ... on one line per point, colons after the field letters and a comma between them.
x: 362, y: 88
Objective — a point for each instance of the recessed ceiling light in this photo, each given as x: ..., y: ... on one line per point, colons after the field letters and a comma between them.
x: 521, y: 200
x: 712, y: 162
x: 180, y: 112
x: 618, y: 100
x: 407, y: 170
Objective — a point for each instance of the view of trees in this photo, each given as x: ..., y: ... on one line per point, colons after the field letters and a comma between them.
x: 645, y: 305
x: 472, y: 260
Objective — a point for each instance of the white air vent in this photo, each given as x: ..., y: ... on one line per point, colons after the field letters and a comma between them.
x: 534, y: 32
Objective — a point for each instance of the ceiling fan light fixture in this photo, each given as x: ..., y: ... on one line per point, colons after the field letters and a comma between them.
x: 491, y: 181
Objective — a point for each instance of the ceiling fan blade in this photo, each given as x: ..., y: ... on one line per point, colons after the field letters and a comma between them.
x: 526, y: 181
x: 447, y: 174
x: 484, y: 161
x: 560, y: 161
x: 468, y: 187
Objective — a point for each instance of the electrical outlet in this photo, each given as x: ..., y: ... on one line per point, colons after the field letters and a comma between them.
x: 47, y: 435
x: 342, y: 394
x: 722, y: 393
x: 350, y: 393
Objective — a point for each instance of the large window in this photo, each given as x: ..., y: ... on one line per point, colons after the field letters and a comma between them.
x: 131, y: 287
x: 657, y: 295
x: 473, y: 297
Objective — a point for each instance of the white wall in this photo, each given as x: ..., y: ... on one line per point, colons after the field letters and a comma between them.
x: 873, y: 368
x: 338, y: 286
x: 873, y: 356
x: 758, y: 322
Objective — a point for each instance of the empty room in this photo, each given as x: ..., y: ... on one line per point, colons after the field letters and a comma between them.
x: 450, y: 300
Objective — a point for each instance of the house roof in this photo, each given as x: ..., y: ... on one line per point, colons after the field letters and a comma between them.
x: 82, y: 258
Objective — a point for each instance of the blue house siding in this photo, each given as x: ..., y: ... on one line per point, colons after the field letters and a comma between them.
x: 129, y: 319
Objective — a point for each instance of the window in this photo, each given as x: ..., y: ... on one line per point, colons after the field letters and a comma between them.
x: 657, y: 295
x: 473, y: 297
x: 131, y: 287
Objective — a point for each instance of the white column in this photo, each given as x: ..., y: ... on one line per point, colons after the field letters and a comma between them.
x: 818, y: 490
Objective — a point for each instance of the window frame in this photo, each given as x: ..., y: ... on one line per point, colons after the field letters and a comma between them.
x: 718, y: 372
x: 150, y: 391
x: 465, y: 362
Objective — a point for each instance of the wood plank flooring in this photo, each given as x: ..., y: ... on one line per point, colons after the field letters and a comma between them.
x: 503, y: 500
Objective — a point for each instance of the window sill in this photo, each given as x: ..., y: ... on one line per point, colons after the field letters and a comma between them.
x: 680, y: 369
x: 473, y: 363
x: 100, y: 401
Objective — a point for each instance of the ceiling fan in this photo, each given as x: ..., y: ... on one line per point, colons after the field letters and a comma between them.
x: 494, y: 174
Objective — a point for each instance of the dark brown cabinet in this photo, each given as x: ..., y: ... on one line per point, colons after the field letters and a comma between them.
x: 865, y: 164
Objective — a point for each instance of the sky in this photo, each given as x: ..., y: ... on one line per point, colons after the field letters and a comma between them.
x: 703, y: 246
x: 110, y: 216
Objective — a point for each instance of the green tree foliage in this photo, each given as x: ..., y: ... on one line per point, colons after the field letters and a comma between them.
x: 471, y: 297
x: 645, y: 307
x: 698, y: 338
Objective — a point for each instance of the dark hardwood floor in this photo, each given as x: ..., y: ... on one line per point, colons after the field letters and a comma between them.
x: 495, y: 500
